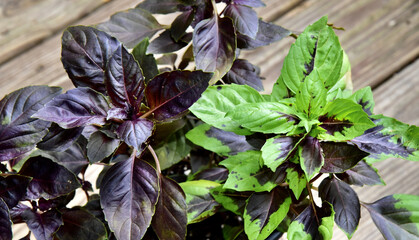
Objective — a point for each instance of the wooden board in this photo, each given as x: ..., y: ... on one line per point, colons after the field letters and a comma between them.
x: 23, y: 23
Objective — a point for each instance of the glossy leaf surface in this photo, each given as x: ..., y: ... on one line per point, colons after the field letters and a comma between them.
x: 172, y: 93
x: 131, y: 26
x: 19, y: 133
x: 157, y: 6
x: 124, y: 80
x: 390, y: 138
x: 276, y: 150
x: 173, y: 150
x: 5, y: 222
x: 396, y: 216
x: 135, y: 132
x: 345, y: 203
x: 245, y: 19
x: 199, y: 201
x: 244, y: 73
x: 44, y: 225
x: 231, y: 200
x: 221, y: 142
x: 317, y: 48
x: 79, y: 224
x: 361, y: 174
x: 344, y: 120
x: 264, y: 117
x: 49, y: 179
x: 306, y: 225
x: 147, y: 62
x: 217, y: 101
x: 77, y: 107
x: 128, y: 194
x: 339, y: 157
x: 311, y: 156
x: 214, y: 46
x: 73, y: 158
x: 267, y: 33
x: 169, y: 221
x: 59, y: 139
x: 13, y: 189
x: 181, y: 23
x: 85, y: 53
x: 246, y: 174
x: 100, y: 146
x: 215, y: 174
x: 165, y: 43
x: 264, y: 212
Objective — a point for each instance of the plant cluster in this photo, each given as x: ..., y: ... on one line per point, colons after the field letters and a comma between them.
x: 239, y: 165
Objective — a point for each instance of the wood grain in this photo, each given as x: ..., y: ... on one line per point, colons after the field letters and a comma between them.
x: 23, y: 23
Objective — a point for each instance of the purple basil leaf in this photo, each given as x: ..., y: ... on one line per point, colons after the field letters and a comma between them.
x: 311, y: 156
x: 58, y: 203
x: 267, y: 34
x: 19, y: 133
x: 181, y: 23
x: 309, y: 218
x: 5, y: 222
x: 230, y: 199
x: 117, y: 113
x: 169, y: 221
x: 395, y: 216
x: 124, y: 80
x: 164, y: 43
x: 161, y: 7
x: 245, y: 19
x: 13, y: 189
x: 128, y: 195
x: 17, y: 211
x: 345, y: 203
x: 100, y: 146
x: 44, y: 225
x: 265, y: 211
x: 390, y: 138
x: 85, y: 52
x: 59, y: 139
x: 147, y: 61
x: 339, y: 157
x: 360, y: 175
x: 214, y: 46
x: 131, y: 26
x: 80, y: 224
x: 171, y: 93
x: 73, y: 158
x: 77, y: 107
x: 135, y: 132
x: 215, y: 174
x: 49, y: 179
x: 203, y: 10
x: 250, y: 3
x: 244, y: 73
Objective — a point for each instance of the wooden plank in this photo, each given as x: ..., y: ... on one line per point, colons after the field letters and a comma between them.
x: 23, y: 23
x: 398, y: 98
x: 380, y: 38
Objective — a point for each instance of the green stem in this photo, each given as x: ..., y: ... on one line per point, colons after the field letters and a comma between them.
x: 156, y: 159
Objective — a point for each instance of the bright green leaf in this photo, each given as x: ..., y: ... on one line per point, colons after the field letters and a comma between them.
x: 297, y: 181
x: 216, y: 101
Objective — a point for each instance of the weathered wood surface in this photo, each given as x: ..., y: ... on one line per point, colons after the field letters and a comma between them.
x: 381, y: 38
x: 23, y: 23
